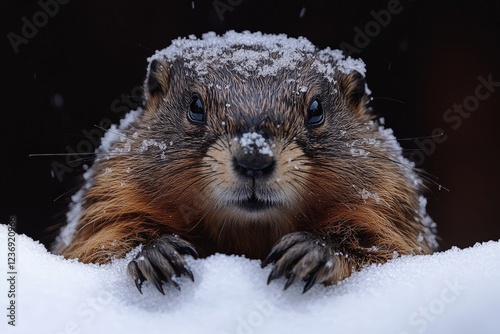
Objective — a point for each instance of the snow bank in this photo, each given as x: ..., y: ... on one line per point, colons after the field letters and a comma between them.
x: 457, y: 291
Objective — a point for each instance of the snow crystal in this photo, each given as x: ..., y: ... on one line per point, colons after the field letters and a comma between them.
x: 356, y: 146
x: 58, y: 100
x: 302, y: 12
x: 147, y: 143
x: 365, y: 194
x: 420, y: 238
x: 368, y: 91
x: 450, y: 292
x: 251, y: 140
x: 255, y: 54
x: 359, y: 152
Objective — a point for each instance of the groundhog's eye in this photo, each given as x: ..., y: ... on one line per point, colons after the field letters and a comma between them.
x: 315, y: 115
x: 196, y: 110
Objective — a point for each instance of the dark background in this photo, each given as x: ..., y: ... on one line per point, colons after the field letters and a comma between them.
x: 81, y: 68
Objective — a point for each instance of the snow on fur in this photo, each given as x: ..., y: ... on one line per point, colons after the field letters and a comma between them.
x: 255, y: 54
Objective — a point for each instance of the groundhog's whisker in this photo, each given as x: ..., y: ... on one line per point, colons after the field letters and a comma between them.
x: 344, y: 139
x: 57, y: 154
x: 388, y: 98
x: 420, y: 137
x: 72, y: 190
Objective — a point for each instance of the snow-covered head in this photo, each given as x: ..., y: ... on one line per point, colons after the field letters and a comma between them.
x: 249, y: 132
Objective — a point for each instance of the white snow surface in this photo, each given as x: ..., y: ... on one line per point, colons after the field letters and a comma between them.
x: 456, y: 291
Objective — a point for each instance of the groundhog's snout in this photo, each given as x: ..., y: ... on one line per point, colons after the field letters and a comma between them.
x: 253, y: 156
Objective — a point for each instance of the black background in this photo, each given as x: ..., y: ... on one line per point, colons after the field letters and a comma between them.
x: 82, y: 65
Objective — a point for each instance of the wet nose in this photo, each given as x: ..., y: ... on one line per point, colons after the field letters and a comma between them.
x: 254, y: 165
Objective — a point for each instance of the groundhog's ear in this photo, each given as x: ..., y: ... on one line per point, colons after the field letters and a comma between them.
x: 157, y: 80
x: 353, y: 86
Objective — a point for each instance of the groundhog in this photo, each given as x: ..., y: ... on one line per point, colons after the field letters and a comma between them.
x: 252, y: 144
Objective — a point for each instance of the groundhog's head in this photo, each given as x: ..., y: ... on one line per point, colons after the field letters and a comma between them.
x: 250, y: 130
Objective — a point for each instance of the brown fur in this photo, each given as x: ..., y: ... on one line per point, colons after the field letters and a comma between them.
x: 137, y: 197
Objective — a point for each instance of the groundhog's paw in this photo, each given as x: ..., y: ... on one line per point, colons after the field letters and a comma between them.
x: 161, y: 259
x: 301, y: 256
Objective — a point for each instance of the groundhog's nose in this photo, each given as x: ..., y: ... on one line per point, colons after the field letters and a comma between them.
x: 253, y: 156
x: 253, y: 165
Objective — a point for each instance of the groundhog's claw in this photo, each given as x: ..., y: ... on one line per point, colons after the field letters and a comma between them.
x: 160, y: 260
x: 301, y: 256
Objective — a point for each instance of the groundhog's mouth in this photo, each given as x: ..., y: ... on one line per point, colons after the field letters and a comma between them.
x: 254, y: 204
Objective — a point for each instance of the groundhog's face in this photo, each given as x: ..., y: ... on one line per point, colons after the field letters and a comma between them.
x: 250, y: 148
